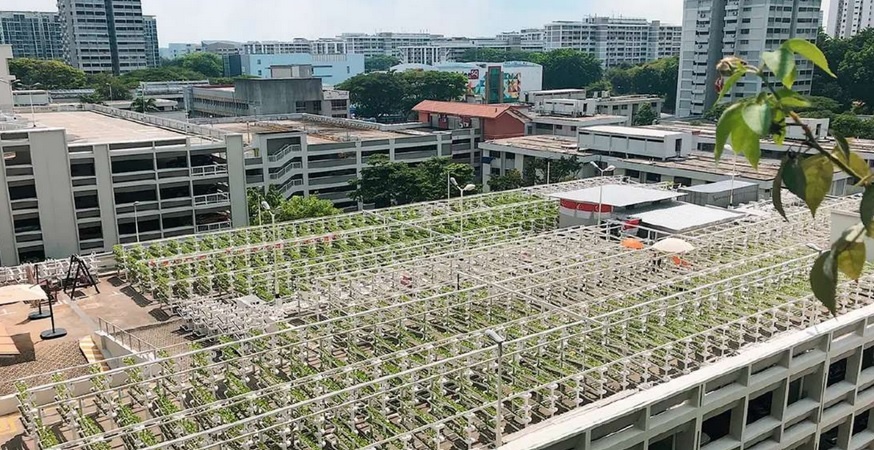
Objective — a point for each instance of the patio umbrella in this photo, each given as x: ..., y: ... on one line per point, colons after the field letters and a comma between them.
x: 673, y: 245
x: 21, y: 293
x: 632, y: 243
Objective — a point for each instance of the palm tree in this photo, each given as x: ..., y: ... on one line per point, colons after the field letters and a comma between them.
x: 144, y: 105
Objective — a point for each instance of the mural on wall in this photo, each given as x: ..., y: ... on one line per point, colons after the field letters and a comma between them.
x: 476, y: 86
x: 512, y: 87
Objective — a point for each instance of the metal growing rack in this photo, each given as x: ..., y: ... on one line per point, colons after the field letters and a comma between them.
x: 394, y: 352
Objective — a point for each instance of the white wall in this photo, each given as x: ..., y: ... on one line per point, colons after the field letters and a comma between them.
x: 54, y: 189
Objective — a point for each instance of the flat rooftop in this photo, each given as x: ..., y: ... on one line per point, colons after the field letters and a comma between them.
x: 556, y: 144
x: 618, y: 195
x: 719, y: 186
x: 679, y: 217
x: 632, y: 131
x: 317, y: 132
x: 86, y: 127
x: 730, y: 163
x: 585, y: 121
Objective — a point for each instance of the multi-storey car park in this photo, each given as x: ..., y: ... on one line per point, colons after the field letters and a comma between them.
x: 477, y: 325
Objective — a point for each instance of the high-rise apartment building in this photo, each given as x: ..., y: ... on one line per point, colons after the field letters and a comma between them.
x: 614, y: 41
x: 713, y: 29
x: 150, y: 34
x: 298, y: 45
x: 103, y: 35
x: 846, y: 18
x: 385, y: 43
x: 32, y: 34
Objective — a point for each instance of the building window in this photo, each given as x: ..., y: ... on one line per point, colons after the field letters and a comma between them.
x: 837, y: 372
x: 653, y: 177
x: 683, y: 181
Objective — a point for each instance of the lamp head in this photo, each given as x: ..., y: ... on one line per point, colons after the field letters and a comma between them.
x: 265, y: 206
x: 495, y: 336
x: 470, y: 187
x: 595, y: 165
x: 610, y: 168
x: 453, y: 181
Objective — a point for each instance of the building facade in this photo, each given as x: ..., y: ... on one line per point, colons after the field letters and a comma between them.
x: 258, y: 97
x: 847, y: 18
x: 299, y: 45
x: 386, y: 43
x: 331, y: 69
x: 613, y: 41
x: 103, y: 35
x: 32, y: 34
x: 222, y: 47
x: 150, y: 34
x: 506, y: 82
x: 715, y: 29
x: 6, y: 80
x: 177, y: 50
x: 81, y: 181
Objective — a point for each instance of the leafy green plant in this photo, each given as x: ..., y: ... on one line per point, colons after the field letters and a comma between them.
x: 808, y: 168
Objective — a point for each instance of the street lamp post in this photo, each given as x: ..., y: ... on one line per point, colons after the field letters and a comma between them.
x: 266, y: 207
x: 601, y: 187
x: 499, y: 413
x: 136, y: 221
x: 32, y: 112
x: 461, y: 191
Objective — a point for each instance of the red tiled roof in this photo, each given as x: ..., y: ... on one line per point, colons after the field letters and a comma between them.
x: 462, y: 109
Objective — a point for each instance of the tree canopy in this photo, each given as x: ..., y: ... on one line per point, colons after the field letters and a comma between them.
x: 108, y: 87
x: 383, y: 94
x: 144, y: 105
x: 567, y: 68
x: 46, y: 74
x: 512, y: 179
x: 495, y: 55
x: 657, y: 77
x: 852, y: 60
x: 645, y: 116
x: 295, y: 208
x: 387, y: 183
x: 209, y: 65
x: 564, y: 169
x: 380, y: 63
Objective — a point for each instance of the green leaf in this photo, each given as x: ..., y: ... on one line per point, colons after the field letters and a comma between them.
x: 782, y: 63
x: 778, y: 127
x: 810, y: 51
x: 745, y: 140
x: 777, y: 188
x: 850, y: 251
x: 792, y: 99
x: 758, y: 117
x: 818, y: 174
x: 729, y: 120
x: 793, y: 177
x: 866, y: 209
x: 824, y: 280
x: 731, y: 81
x: 858, y: 166
x: 842, y: 144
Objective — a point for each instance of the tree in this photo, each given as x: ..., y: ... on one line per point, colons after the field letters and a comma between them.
x: 715, y: 112
x: 46, y: 74
x: 376, y: 94
x: 808, y: 169
x: 480, y: 54
x: 295, y: 208
x: 204, y: 63
x: 94, y: 98
x: 432, y: 177
x: 431, y: 85
x: 380, y: 63
x: 109, y: 87
x: 567, y: 68
x: 850, y: 125
x: 657, y: 77
x: 144, y: 105
x: 645, y: 116
x: 386, y: 183
x: 564, y: 169
x: 167, y: 73
x: 511, y: 179
x: 600, y: 86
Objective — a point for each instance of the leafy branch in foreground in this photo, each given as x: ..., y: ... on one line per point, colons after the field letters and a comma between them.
x: 808, y: 169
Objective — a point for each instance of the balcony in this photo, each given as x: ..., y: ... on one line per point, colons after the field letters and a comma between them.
x: 291, y: 185
x: 212, y: 199
x: 284, y: 151
x: 213, y: 227
x: 341, y: 162
x: 288, y: 168
x: 209, y: 171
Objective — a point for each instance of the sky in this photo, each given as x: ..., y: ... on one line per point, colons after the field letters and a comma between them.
x: 242, y: 20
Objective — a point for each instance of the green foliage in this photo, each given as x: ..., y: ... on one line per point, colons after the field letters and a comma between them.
x: 206, y: 64
x: 431, y: 85
x: 91, y: 98
x: 853, y: 61
x: 645, y: 116
x: 380, y: 63
x: 850, y: 125
x: 295, y: 208
x: 496, y: 55
x: 511, y: 179
x: 166, y: 73
x: 377, y: 94
x: 657, y: 77
x: 600, y: 85
x: 109, y: 87
x: 807, y: 175
x: 144, y: 105
x: 387, y: 183
x: 382, y: 94
x: 566, y: 68
x: 564, y: 169
x: 46, y: 74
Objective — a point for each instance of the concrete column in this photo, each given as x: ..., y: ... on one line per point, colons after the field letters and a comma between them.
x: 105, y: 195
x: 8, y: 253
x: 237, y: 180
x: 54, y: 189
